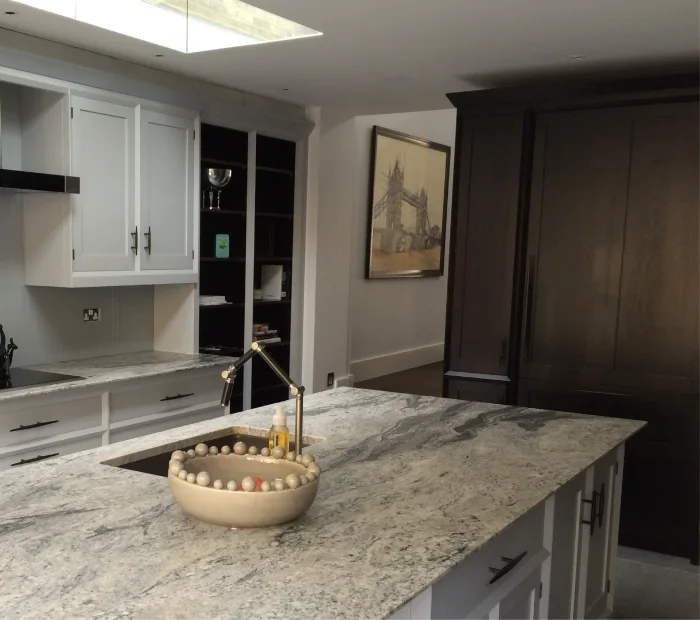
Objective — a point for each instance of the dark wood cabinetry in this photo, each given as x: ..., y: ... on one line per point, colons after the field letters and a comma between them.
x: 486, y: 219
x: 574, y: 278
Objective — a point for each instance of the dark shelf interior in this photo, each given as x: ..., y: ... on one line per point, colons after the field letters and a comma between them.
x: 221, y: 328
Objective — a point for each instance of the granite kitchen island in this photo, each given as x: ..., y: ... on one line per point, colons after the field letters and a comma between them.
x: 418, y: 498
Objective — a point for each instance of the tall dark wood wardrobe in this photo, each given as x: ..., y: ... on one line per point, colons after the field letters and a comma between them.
x: 574, y: 274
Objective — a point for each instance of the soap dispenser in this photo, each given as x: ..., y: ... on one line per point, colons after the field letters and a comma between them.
x: 279, y: 432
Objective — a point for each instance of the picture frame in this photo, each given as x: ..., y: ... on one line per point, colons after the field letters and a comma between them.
x: 407, y: 214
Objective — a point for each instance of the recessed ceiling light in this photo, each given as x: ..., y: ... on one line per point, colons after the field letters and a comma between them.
x: 187, y: 26
x: 10, y: 13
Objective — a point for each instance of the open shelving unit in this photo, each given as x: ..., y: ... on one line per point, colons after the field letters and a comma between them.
x: 257, y: 213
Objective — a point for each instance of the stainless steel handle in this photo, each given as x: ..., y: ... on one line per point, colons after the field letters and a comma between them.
x: 135, y: 241
x: 41, y: 457
x: 149, y: 237
x: 36, y: 425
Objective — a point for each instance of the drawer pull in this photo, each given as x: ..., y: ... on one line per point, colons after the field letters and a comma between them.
x: 176, y: 397
x: 37, y: 425
x: 41, y: 457
x: 511, y: 563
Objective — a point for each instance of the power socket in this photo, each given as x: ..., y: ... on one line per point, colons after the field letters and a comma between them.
x: 91, y: 314
x: 330, y: 380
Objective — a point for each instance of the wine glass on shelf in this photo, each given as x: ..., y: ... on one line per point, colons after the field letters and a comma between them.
x: 218, y: 178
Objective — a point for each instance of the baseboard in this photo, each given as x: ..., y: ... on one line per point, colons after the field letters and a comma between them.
x: 372, y: 367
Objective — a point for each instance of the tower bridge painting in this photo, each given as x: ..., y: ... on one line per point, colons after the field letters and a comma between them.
x: 408, y: 206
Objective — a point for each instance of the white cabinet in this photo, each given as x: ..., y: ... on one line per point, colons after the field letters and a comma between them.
x: 104, y: 213
x: 522, y: 602
x: 133, y: 221
x: 601, y: 484
x: 167, y: 191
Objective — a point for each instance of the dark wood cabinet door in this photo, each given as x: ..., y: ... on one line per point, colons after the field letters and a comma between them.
x: 661, y: 487
x: 575, y: 241
x: 657, y: 337
x: 478, y: 391
x: 483, y: 244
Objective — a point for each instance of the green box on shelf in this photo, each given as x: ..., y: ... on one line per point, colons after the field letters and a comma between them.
x: 222, y: 246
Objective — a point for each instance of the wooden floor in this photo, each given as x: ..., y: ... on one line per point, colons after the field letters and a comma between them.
x: 424, y: 381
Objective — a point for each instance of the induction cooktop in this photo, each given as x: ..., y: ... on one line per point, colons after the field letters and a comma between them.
x: 24, y: 377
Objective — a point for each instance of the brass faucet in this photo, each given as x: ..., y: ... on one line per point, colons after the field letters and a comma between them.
x: 229, y: 375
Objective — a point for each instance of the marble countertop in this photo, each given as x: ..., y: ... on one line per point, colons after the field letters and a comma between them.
x: 109, y: 368
x: 410, y: 487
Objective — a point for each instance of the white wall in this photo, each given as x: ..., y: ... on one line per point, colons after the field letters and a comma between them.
x: 367, y: 328
x: 395, y: 324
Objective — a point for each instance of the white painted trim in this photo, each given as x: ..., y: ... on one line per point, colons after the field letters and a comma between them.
x: 615, y: 526
x: 547, y: 541
x: 249, y: 266
x: 397, y: 361
x: 88, y: 279
x: 346, y: 381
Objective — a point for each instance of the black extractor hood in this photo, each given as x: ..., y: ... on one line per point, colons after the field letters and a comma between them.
x: 22, y: 181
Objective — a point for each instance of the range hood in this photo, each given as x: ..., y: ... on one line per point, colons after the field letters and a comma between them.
x: 22, y: 181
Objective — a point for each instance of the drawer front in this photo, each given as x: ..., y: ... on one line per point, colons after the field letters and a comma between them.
x: 467, y: 585
x: 45, y: 417
x: 178, y: 391
x: 36, y: 455
x: 139, y: 430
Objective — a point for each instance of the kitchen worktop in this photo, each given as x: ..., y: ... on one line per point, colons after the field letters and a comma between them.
x: 109, y: 368
x: 410, y: 486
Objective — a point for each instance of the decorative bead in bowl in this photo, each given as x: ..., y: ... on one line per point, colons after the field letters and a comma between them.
x: 237, y: 488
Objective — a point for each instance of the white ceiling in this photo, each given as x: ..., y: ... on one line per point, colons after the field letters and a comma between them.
x: 391, y: 55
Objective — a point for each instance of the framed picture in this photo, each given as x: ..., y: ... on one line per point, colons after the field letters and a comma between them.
x: 408, y: 187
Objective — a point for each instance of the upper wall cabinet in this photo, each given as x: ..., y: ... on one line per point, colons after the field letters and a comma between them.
x: 133, y: 221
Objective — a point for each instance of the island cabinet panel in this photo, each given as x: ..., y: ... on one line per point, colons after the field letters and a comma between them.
x: 523, y: 602
x: 477, y: 585
x: 484, y: 221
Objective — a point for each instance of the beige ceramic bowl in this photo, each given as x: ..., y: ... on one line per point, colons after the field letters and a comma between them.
x: 241, y: 508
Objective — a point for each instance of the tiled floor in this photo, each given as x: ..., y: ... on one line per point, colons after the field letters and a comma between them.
x: 652, y: 585
x: 424, y: 381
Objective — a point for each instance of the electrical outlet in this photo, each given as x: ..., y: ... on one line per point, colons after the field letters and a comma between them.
x: 331, y: 379
x: 91, y: 314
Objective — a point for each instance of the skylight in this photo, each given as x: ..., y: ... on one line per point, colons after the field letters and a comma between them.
x: 187, y: 26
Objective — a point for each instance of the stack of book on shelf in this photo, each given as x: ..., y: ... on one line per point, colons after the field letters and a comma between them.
x: 263, y: 334
x: 212, y: 300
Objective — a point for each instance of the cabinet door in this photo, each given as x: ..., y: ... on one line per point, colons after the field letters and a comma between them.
x: 103, y: 214
x: 579, y: 188
x: 465, y: 389
x: 521, y: 602
x: 568, y: 544
x: 657, y: 339
x: 167, y: 191
x: 600, y: 542
x: 483, y: 245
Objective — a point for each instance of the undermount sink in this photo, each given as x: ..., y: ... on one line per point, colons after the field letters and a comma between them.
x: 157, y: 464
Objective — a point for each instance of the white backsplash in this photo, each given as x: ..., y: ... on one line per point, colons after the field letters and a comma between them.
x: 47, y: 323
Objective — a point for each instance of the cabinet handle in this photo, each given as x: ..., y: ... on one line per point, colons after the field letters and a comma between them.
x: 176, y: 397
x: 529, y: 303
x: 511, y: 563
x: 601, y: 504
x: 594, y: 512
x: 41, y: 457
x: 148, y: 236
x: 135, y: 241
x: 36, y: 425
